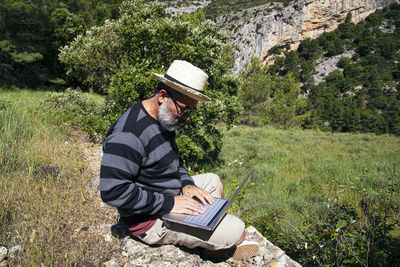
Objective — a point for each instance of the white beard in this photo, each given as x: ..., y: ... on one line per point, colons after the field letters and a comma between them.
x: 166, y: 118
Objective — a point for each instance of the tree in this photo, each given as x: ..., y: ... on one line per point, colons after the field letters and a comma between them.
x: 309, y: 49
x: 254, y: 92
x: 65, y: 26
x: 287, y: 107
x: 36, y: 29
x: 118, y: 59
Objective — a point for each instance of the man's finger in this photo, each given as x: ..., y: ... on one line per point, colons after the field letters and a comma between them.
x: 205, y: 197
x: 196, y: 206
x: 192, y: 212
x: 210, y: 198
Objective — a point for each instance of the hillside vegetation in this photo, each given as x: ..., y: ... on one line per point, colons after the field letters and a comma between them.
x: 221, y: 7
x: 361, y: 94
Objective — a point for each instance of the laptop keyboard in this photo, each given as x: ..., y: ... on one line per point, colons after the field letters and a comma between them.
x: 205, y: 218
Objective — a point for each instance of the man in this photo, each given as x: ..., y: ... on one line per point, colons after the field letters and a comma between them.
x: 144, y: 177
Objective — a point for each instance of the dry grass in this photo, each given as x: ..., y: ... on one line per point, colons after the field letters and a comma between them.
x: 43, y: 212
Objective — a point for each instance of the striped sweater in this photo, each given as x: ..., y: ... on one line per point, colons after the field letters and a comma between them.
x: 141, y: 171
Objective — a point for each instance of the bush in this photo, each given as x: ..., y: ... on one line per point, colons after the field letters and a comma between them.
x: 270, y: 100
x: 77, y: 109
x: 119, y: 57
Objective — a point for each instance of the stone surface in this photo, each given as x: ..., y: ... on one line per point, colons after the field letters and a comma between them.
x: 179, y: 7
x: 135, y: 253
x: 94, y: 185
x: 3, y: 253
x: 327, y: 65
x: 258, y: 31
x: 14, y: 251
x: 112, y: 263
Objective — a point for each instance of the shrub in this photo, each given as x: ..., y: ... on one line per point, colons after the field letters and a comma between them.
x: 269, y: 100
x: 119, y: 57
x: 77, y: 109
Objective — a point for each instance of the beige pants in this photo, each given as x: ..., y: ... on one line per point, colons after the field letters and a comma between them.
x: 227, y: 233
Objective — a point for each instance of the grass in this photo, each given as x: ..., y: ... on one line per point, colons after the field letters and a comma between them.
x: 41, y: 211
x: 301, y: 174
x: 294, y: 164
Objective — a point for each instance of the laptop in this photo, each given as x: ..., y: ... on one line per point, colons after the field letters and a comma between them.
x: 212, y: 216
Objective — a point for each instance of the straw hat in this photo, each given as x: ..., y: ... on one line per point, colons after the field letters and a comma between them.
x: 186, y: 79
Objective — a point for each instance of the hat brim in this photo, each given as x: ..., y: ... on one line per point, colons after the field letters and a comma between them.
x: 196, y: 95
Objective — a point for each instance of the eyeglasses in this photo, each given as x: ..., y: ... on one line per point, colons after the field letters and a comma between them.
x: 184, y: 111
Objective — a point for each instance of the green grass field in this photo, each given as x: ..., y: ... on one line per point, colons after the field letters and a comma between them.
x: 308, y: 178
x: 301, y: 166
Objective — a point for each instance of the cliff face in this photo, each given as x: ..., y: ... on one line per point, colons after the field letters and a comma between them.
x: 258, y: 31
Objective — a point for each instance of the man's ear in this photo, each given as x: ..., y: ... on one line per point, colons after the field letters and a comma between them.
x: 162, y: 96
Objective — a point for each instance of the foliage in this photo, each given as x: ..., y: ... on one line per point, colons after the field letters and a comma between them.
x: 221, y: 7
x: 19, y: 66
x: 31, y: 32
x: 65, y: 26
x: 270, y: 100
x: 363, y: 94
x: 90, y: 59
x: 76, y: 109
x: 287, y: 108
x: 119, y: 57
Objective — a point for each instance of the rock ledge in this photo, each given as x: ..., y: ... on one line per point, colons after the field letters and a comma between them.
x: 135, y: 253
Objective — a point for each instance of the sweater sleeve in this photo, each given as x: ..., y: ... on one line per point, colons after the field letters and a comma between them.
x: 122, y: 156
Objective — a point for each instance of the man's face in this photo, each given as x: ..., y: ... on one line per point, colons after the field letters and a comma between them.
x: 173, y: 113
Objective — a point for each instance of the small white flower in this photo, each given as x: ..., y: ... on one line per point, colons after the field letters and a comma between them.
x: 305, y: 245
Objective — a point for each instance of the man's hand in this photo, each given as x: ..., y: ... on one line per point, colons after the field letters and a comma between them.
x: 201, y: 194
x: 187, y: 205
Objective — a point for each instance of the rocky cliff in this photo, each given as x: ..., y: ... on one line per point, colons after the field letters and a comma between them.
x: 260, y: 30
